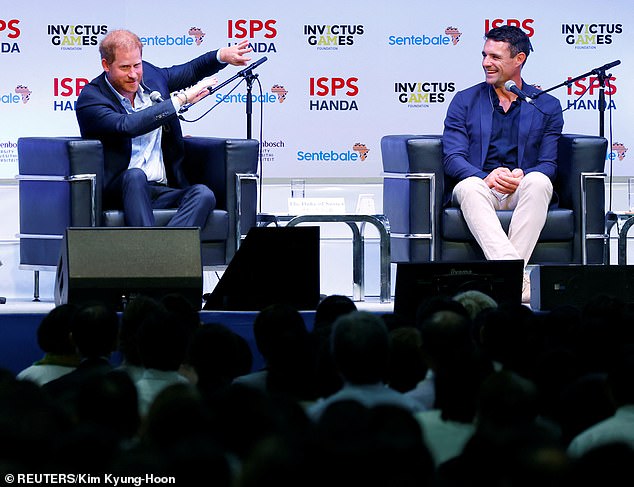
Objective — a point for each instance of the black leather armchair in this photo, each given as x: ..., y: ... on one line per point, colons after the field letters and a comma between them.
x: 422, y: 230
x: 60, y: 181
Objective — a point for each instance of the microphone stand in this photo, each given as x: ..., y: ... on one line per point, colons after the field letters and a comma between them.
x: 249, y: 76
x: 611, y: 218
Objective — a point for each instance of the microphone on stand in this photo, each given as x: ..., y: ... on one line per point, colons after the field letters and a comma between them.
x: 512, y: 87
x: 156, y: 97
x: 607, y: 66
x: 252, y: 66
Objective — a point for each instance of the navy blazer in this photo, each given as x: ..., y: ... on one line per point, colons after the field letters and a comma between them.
x: 468, y: 131
x: 101, y: 116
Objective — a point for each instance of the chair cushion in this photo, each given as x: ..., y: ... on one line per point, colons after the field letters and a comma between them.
x: 216, y: 227
x: 559, y: 225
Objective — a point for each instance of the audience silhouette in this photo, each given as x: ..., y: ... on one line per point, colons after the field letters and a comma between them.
x: 471, y: 393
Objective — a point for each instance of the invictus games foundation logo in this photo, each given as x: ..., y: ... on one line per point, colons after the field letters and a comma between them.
x: 280, y: 92
x: 332, y: 37
x: 618, y: 151
x: 197, y: 34
x: 590, y: 36
x: 423, y: 94
x: 450, y: 36
x: 76, y: 37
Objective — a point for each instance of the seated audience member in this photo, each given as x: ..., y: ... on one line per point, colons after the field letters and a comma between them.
x: 328, y: 310
x: 445, y: 329
x: 53, y: 337
x: 619, y: 428
x: 139, y: 309
x: 475, y: 301
x: 407, y: 366
x: 162, y: 341
x: 270, y: 324
x: 94, y: 331
x: 217, y: 355
x: 371, y: 446
x: 360, y: 346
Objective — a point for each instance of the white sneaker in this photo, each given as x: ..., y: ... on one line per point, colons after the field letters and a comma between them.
x: 526, y: 288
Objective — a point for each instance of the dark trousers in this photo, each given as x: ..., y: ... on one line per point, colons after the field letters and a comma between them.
x: 139, y: 198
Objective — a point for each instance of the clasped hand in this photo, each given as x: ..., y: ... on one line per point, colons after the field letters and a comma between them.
x: 503, y: 180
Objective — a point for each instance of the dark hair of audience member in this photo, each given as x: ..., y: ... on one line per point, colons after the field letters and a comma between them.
x: 139, y: 309
x: 407, y: 366
x: 53, y: 333
x: 95, y: 330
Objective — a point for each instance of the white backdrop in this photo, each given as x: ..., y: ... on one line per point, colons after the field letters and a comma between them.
x: 351, y: 71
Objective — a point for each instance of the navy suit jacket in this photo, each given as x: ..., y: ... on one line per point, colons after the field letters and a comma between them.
x: 467, y: 134
x: 101, y: 116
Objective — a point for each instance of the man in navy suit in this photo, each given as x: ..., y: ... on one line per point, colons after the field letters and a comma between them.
x: 130, y: 110
x: 501, y: 152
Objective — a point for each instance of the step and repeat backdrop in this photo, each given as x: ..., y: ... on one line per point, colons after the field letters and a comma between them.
x: 337, y: 76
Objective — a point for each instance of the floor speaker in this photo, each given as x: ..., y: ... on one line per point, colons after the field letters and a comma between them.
x: 114, y: 264
x: 557, y: 285
x: 417, y: 282
x: 273, y: 265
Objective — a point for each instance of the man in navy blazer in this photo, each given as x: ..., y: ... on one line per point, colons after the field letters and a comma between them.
x: 500, y: 152
x: 130, y: 110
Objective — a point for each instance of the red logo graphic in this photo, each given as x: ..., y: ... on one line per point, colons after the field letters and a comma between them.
x: 24, y: 92
x: 362, y: 150
x: 198, y: 35
x: 280, y: 91
x: 454, y: 33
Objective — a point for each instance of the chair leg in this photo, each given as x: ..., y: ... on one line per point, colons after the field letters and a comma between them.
x: 36, y: 286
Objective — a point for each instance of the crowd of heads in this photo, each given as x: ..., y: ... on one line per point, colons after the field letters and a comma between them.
x: 469, y: 392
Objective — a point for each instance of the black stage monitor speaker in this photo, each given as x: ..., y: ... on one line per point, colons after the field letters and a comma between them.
x: 416, y: 282
x: 115, y: 264
x: 272, y: 265
x: 575, y: 284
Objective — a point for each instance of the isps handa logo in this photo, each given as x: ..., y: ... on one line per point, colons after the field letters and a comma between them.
x: 583, y: 93
x: 590, y: 36
x: 76, y: 37
x: 423, y: 94
x: 261, y: 33
x: 358, y: 152
x: 333, y: 93
x: 20, y: 95
x: 449, y: 37
x: 9, y: 33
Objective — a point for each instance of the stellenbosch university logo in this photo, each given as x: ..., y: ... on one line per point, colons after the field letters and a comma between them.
x: 589, y: 88
x: 9, y: 32
x: 8, y: 152
x: 193, y: 36
x: 590, y: 36
x: 75, y: 37
x: 450, y: 36
x: 265, y: 31
x: 270, y: 149
x: 332, y: 37
x: 334, y: 94
x: 423, y: 94
x: 358, y: 152
x: 20, y: 95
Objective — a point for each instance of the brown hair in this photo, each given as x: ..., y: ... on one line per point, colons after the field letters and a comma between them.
x: 117, y: 39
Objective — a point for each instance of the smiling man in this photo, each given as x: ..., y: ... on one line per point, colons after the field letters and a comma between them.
x: 500, y: 153
x: 130, y: 110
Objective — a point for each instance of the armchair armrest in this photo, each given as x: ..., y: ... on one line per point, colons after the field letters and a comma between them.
x: 581, y: 187
x: 229, y: 168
